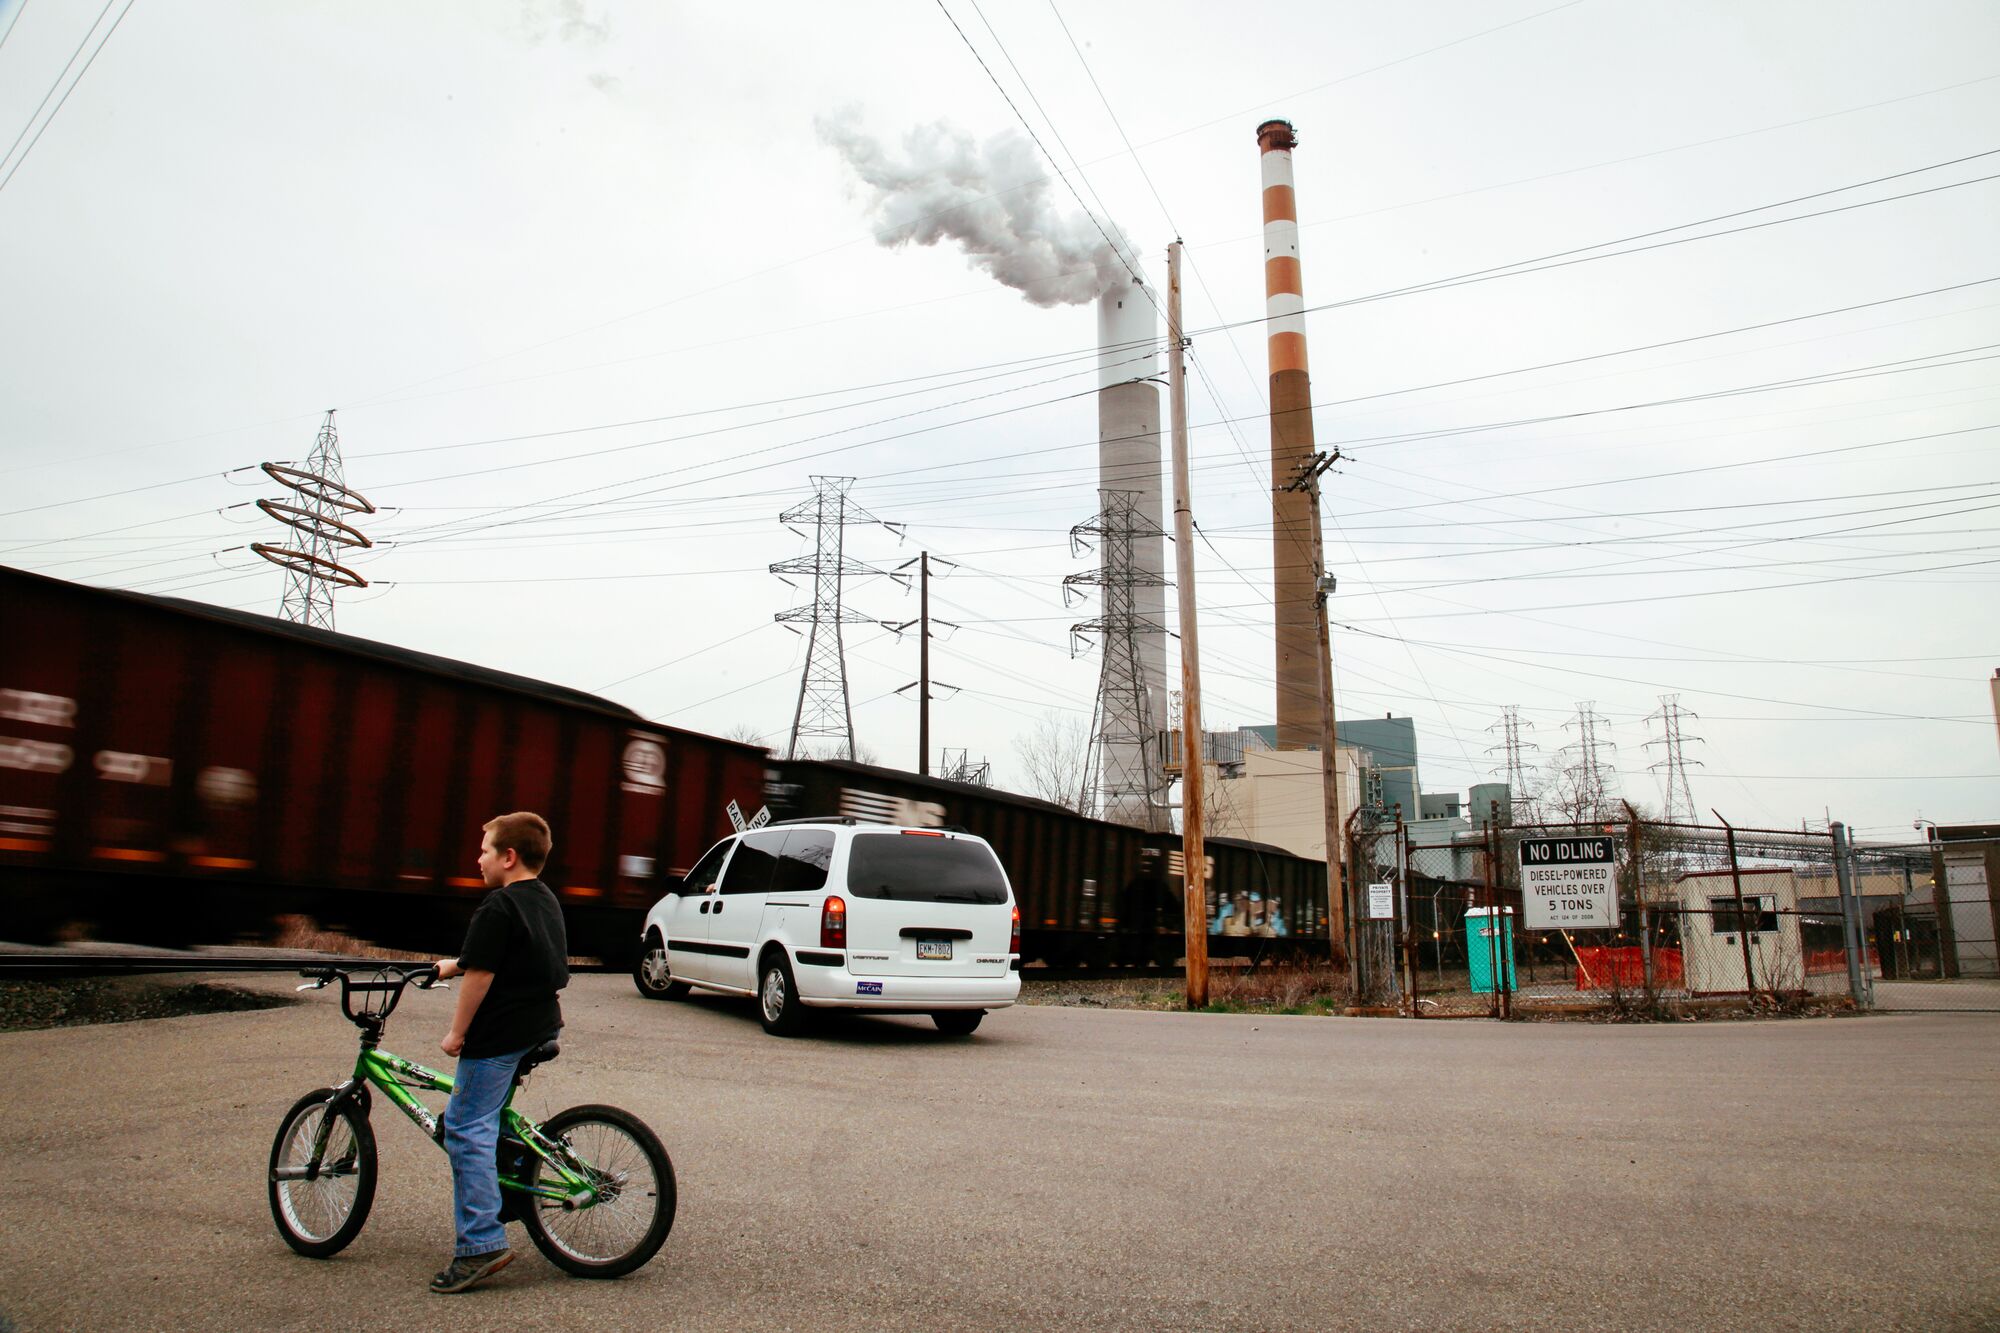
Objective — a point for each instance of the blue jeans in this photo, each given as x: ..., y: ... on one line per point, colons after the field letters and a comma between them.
x: 471, y: 1131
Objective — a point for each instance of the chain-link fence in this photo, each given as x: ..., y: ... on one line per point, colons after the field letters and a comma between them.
x: 1638, y: 915
x: 1928, y: 911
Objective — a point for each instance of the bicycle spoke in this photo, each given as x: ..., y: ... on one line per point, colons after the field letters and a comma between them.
x: 622, y: 1175
x: 316, y: 1208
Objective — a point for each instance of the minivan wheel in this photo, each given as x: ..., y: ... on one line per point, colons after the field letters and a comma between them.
x: 778, y: 999
x: 957, y: 1022
x: 652, y: 975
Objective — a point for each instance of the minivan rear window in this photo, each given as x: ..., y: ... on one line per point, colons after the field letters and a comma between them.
x: 911, y: 868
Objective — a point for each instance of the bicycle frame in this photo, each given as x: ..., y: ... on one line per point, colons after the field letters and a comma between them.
x: 395, y: 1077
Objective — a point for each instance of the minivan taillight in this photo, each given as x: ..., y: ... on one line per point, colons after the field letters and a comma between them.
x: 1014, y: 935
x: 833, y: 923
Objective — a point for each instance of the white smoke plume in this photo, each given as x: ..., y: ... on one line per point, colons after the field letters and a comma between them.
x: 993, y: 200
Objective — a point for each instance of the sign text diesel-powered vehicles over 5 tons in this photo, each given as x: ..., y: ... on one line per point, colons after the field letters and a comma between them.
x: 1569, y: 883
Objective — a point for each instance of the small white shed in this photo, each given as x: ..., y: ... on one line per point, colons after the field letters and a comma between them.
x: 1713, y: 931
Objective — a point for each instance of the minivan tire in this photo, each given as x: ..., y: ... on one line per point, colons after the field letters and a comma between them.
x: 778, y: 1003
x: 651, y: 975
x: 957, y: 1022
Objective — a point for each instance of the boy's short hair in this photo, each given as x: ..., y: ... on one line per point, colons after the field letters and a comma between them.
x: 526, y: 833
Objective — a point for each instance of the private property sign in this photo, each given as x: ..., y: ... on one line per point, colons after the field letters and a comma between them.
x: 1569, y: 883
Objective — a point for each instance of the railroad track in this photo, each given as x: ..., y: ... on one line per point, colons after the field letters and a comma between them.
x: 20, y: 964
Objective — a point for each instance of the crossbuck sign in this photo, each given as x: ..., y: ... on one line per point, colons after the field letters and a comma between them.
x: 1569, y: 883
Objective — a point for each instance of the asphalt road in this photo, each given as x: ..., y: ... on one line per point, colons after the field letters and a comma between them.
x: 1064, y: 1169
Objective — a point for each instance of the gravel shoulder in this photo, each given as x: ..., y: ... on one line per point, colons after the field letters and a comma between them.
x: 26, y: 1006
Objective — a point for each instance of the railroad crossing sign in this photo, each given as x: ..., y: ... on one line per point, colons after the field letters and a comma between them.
x: 742, y: 825
x: 1569, y: 883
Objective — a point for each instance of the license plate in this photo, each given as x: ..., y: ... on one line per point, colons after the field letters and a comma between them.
x: 934, y: 949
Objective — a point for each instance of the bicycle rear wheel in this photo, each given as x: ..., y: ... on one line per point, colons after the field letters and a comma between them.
x: 636, y: 1198
x: 319, y: 1212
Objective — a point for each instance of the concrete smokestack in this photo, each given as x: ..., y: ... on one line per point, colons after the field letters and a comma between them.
x: 1291, y: 446
x: 1128, y: 459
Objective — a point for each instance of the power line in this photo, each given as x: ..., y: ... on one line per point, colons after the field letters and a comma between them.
x: 1561, y: 259
x: 1492, y: 655
x: 1116, y: 249
x: 1654, y: 347
x: 1226, y: 420
x: 1715, y: 592
x: 1872, y: 371
x: 1018, y: 366
x: 66, y: 91
x: 555, y: 459
x: 13, y: 18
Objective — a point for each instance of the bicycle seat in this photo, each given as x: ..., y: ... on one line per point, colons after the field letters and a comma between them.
x: 541, y: 1055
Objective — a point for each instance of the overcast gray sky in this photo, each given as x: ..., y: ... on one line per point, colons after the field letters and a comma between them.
x: 594, y: 299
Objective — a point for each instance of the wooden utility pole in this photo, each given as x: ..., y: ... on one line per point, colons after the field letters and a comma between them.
x: 1194, y: 859
x: 1337, y: 925
x: 924, y: 665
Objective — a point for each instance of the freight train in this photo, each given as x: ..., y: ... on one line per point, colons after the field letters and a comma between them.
x: 180, y: 773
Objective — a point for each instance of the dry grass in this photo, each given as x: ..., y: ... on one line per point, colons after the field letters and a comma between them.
x: 1106, y: 993
x: 1286, y: 988
x: 304, y: 934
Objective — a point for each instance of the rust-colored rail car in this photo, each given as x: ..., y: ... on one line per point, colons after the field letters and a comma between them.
x: 178, y: 772
x: 1090, y: 892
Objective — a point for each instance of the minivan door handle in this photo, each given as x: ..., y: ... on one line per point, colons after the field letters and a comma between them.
x: 704, y: 909
x: 718, y: 907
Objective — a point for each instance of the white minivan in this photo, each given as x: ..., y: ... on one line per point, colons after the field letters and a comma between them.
x: 823, y: 913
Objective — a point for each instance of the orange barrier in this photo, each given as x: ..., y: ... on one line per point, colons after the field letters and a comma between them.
x: 1601, y: 968
x: 1820, y: 962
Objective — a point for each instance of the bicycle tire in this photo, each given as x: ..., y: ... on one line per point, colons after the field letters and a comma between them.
x: 319, y: 1218
x: 622, y: 1231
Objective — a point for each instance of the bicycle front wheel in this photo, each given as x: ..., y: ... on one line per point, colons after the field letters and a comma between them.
x: 320, y: 1207
x: 634, y: 1182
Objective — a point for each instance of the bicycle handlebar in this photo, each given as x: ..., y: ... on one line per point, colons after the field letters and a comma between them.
x: 378, y: 986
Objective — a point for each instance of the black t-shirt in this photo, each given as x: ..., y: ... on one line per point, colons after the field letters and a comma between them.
x: 517, y: 934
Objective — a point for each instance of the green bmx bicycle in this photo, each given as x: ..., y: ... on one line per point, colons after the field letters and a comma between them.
x: 592, y: 1184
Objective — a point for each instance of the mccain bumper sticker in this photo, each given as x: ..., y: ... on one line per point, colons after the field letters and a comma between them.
x: 867, y: 988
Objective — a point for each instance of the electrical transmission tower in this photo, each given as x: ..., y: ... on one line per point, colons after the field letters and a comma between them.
x: 1590, y: 794
x: 1125, y: 744
x: 1513, y: 769
x: 958, y: 767
x: 312, y: 570
x: 823, y: 709
x: 1679, y: 805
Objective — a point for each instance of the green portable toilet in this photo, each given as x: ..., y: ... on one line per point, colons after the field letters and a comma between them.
x: 1487, y: 944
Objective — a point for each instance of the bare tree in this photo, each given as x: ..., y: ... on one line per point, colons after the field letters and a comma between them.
x: 748, y: 734
x: 835, y: 750
x: 743, y: 731
x: 1054, y: 757
x: 1569, y: 792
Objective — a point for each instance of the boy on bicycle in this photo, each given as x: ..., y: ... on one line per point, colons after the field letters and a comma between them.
x: 514, y: 961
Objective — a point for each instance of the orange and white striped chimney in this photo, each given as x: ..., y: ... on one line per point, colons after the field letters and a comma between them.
x: 1291, y: 446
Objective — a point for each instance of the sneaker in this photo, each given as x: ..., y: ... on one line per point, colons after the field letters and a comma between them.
x: 469, y: 1269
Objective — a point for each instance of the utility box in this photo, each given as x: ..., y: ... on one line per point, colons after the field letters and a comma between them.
x: 1489, y: 948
